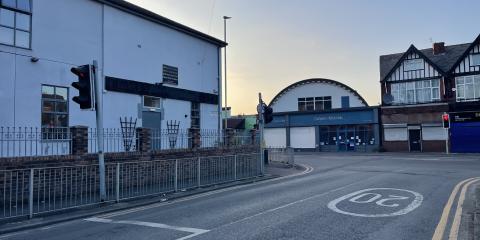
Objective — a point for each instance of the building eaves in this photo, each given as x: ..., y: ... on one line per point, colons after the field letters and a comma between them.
x: 151, y: 16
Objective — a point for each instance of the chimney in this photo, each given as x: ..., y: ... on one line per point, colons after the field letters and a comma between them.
x: 438, y: 48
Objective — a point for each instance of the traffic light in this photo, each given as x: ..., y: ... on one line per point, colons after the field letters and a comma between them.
x: 84, y: 85
x: 446, y: 120
x: 267, y: 114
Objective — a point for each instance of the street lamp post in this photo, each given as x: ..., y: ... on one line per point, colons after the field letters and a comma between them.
x: 225, y: 18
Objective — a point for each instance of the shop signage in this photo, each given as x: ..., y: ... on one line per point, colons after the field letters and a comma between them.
x: 465, y: 117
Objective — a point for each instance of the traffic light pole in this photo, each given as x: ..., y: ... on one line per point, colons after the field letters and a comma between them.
x: 261, y: 123
x: 447, y: 150
x: 99, y: 116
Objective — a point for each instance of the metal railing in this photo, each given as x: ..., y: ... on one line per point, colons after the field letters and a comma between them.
x: 32, y: 141
x: 282, y: 155
x: 183, y: 139
x: 28, y: 192
x: 114, y: 140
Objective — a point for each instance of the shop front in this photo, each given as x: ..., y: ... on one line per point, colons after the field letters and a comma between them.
x: 342, y: 130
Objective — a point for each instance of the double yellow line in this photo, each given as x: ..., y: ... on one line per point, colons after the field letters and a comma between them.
x: 442, y: 224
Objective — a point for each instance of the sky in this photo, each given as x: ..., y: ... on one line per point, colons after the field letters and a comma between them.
x: 274, y: 43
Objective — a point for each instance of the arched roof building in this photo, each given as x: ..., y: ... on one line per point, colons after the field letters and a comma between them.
x: 315, y: 87
x: 322, y: 115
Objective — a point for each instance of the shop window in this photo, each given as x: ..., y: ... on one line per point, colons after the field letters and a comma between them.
x: 328, y: 135
x: 54, y: 112
x: 364, y: 135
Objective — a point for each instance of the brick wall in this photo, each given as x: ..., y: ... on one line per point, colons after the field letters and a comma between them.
x: 89, y: 159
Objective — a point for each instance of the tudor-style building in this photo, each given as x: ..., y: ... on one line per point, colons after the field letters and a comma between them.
x: 418, y: 86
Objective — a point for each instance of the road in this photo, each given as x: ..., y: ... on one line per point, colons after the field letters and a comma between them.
x: 383, y: 196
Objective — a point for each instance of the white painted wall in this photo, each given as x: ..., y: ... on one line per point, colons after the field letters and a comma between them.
x: 208, y: 116
x: 73, y: 36
x: 176, y: 110
x: 136, y: 49
x: 302, y: 137
x: 289, y: 101
x: 395, y: 134
x: 275, y: 137
x: 433, y: 133
x: 7, y: 88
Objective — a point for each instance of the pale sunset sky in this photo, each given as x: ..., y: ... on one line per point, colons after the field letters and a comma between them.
x: 274, y: 43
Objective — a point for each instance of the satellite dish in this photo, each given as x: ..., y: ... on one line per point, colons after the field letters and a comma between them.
x: 388, y: 98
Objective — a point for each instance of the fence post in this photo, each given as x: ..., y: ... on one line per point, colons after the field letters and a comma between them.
x: 176, y: 175
x: 30, y: 194
x: 235, y: 168
x: 144, y: 139
x: 198, y: 173
x: 117, y: 184
x: 78, y: 140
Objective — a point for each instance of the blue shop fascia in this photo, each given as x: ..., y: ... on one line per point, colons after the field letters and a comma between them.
x: 348, y: 129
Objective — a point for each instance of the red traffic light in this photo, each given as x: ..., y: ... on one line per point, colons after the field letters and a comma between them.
x: 446, y: 120
x: 445, y: 117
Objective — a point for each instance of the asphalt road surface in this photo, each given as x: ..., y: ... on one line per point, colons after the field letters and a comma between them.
x: 384, y: 196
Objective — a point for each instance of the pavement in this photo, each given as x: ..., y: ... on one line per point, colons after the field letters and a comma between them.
x: 337, y: 196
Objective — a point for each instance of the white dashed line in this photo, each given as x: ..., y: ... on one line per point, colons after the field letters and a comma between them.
x: 194, y: 231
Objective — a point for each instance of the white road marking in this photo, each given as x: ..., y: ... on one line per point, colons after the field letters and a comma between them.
x: 308, y: 169
x: 194, y: 231
x: 292, y: 203
x: 442, y: 224
x: 458, y: 214
x: 416, y: 202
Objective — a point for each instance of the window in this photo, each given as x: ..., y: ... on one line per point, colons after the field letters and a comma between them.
x: 170, y: 75
x: 195, y: 115
x: 475, y: 59
x: 306, y: 104
x: 323, y: 103
x: 151, y: 102
x: 314, y: 103
x: 468, y: 88
x: 345, y: 101
x: 15, y: 23
x: 364, y: 135
x: 328, y: 135
x: 54, y: 112
x: 416, y: 92
x: 413, y: 65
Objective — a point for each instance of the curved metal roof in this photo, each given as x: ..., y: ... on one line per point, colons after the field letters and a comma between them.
x: 317, y: 80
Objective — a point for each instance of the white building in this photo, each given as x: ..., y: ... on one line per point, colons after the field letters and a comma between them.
x: 153, y: 69
x: 322, y: 115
